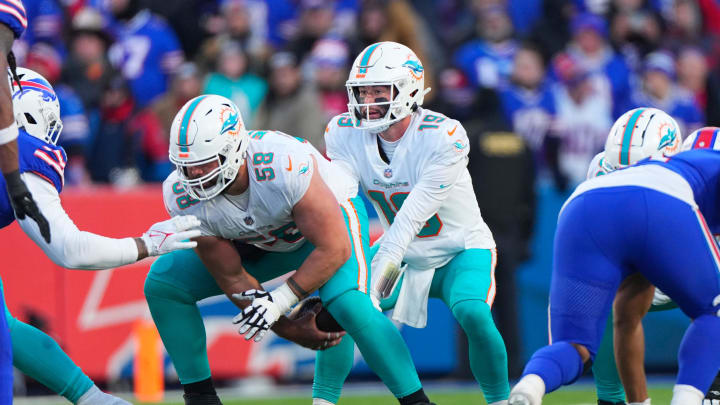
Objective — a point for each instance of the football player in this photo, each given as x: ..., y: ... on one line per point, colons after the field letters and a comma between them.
x: 13, y: 21
x: 41, y: 167
x: 612, y: 239
x: 636, y: 135
x: 411, y: 164
x: 287, y: 208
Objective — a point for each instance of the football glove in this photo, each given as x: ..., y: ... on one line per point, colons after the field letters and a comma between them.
x: 264, y: 310
x: 24, y: 205
x: 388, y: 272
x: 172, y: 234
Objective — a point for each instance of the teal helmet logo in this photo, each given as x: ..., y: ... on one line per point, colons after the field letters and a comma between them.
x: 668, y: 139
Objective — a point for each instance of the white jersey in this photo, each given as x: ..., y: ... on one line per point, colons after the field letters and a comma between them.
x: 279, y: 169
x: 424, y: 196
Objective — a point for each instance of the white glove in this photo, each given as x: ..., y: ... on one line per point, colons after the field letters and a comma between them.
x: 660, y: 298
x: 385, y: 275
x: 264, y: 310
x: 169, y: 235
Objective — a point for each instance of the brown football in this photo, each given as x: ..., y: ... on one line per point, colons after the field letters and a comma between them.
x: 324, y: 321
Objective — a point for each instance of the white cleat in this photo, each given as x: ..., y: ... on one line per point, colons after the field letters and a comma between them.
x: 528, y: 391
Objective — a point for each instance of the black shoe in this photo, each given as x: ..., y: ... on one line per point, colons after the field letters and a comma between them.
x: 601, y: 402
x: 201, y: 399
x: 714, y: 391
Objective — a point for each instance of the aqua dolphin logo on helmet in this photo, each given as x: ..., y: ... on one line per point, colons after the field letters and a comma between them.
x: 668, y: 139
x: 230, y: 123
x: 416, y: 68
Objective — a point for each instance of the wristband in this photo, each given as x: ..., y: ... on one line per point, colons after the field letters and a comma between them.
x: 8, y: 134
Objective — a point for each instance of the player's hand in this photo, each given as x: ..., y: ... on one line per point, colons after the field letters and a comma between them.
x: 259, y: 316
x: 23, y: 203
x: 303, y: 330
x: 388, y: 272
x: 172, y: 234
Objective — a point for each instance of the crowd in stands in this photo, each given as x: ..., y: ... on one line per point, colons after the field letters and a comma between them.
x: 556, y: 72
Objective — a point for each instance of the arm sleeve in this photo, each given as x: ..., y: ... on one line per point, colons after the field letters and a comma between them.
x: 70, y: 247
x: 421, y: 204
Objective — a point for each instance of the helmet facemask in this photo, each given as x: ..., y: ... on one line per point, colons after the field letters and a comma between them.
x: 43, y: 122
x: 213, y: 182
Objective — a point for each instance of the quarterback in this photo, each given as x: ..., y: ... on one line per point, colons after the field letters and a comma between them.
x: 411, y: 164
x: 42, y: 165
x: 268, y: 203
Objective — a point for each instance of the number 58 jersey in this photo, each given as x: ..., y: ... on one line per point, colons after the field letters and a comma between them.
x: 279, y: 170
x: 426, y: 181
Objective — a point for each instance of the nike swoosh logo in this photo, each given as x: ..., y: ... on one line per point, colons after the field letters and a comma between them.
x: 450, y: 133
x: 289, y: 168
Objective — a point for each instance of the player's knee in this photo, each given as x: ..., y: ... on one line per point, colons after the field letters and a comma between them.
x: 157, y: 289
x: 475, y: 318
x: 352, y: 310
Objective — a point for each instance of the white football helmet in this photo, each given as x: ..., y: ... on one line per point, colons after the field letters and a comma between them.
x: 208, y: 129
x: 638, y: 134
x: 386, y: 64
x: 703, y: 138
x: 36, y: 106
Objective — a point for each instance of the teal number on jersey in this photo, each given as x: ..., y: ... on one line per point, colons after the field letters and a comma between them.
x: 288, y: 232
x: 183, y: 201
x: 432, y: 226
x: 265, y: 174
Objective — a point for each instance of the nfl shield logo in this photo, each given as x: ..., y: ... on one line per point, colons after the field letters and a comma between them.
x: 388, y: 173
x: 249, y: 221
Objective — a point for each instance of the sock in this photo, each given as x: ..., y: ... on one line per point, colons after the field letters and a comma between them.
x: 39, y: 356
x: 698, y: 357
x: 607, y: 381
x: 318, y: 401
x: 486, y: 349
x: 332, y: 367
x: 94, y: 396
x: 558, y: 364
x: 201, y: 387
x: 414, y: 398
x: 686, y: 394
x: 645, y: 402
x: 181, y: 329
x: 503, y: 402
x: 379, y: 341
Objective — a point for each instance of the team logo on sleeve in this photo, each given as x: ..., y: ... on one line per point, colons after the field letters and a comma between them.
x: 459, y: 146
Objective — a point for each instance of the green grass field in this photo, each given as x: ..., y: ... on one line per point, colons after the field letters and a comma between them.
x: 566, y: 396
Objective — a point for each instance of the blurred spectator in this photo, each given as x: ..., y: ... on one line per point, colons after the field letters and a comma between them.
x: 590, y: 49
x: 528, y: 102
x: 110, y: 154
x: 487, y: 61
x: 713, y: 99
x: 75, y: 135
x: 635, y: 29
x: 292, y: 107
x: 235, y: 23
x: 232, y: 80
x: 552, y: 31
x: 658, y: 89
x: 450, y: 21
x: 149, y: 147
x: 685, y: 24
x: 185, y: 19
x: 147, y: 51
x: 44, y: 24
x: 394, y: 20
x: 186, y: 84
x: 584, y: 117
x: 692, y: 71
x: 314, y: 22
x: 329, y: 61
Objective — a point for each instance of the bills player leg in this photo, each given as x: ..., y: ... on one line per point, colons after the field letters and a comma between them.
x: 685, y: 267
x: 588, y: 266
x: 346, y: 297
x: 176, y: 282
x: 467, y: 286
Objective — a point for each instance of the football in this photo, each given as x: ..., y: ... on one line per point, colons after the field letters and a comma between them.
x: 324, y: 321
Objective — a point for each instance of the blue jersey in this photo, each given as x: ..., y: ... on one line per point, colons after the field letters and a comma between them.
x: 12, y: 14
x: 148, y: 52
x: 531, y: 112
x: 45, y: 23
x: 701, y: 169
x: 680, y: 105
x: 486, y: 65
x: 37, y: 157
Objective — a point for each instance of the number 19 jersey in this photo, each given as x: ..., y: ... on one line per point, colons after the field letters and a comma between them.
x: 431, y: 143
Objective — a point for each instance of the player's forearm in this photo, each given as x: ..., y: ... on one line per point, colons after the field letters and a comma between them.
x: 8, y: 156
x: 318, y: 268
x: 6, y: 107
